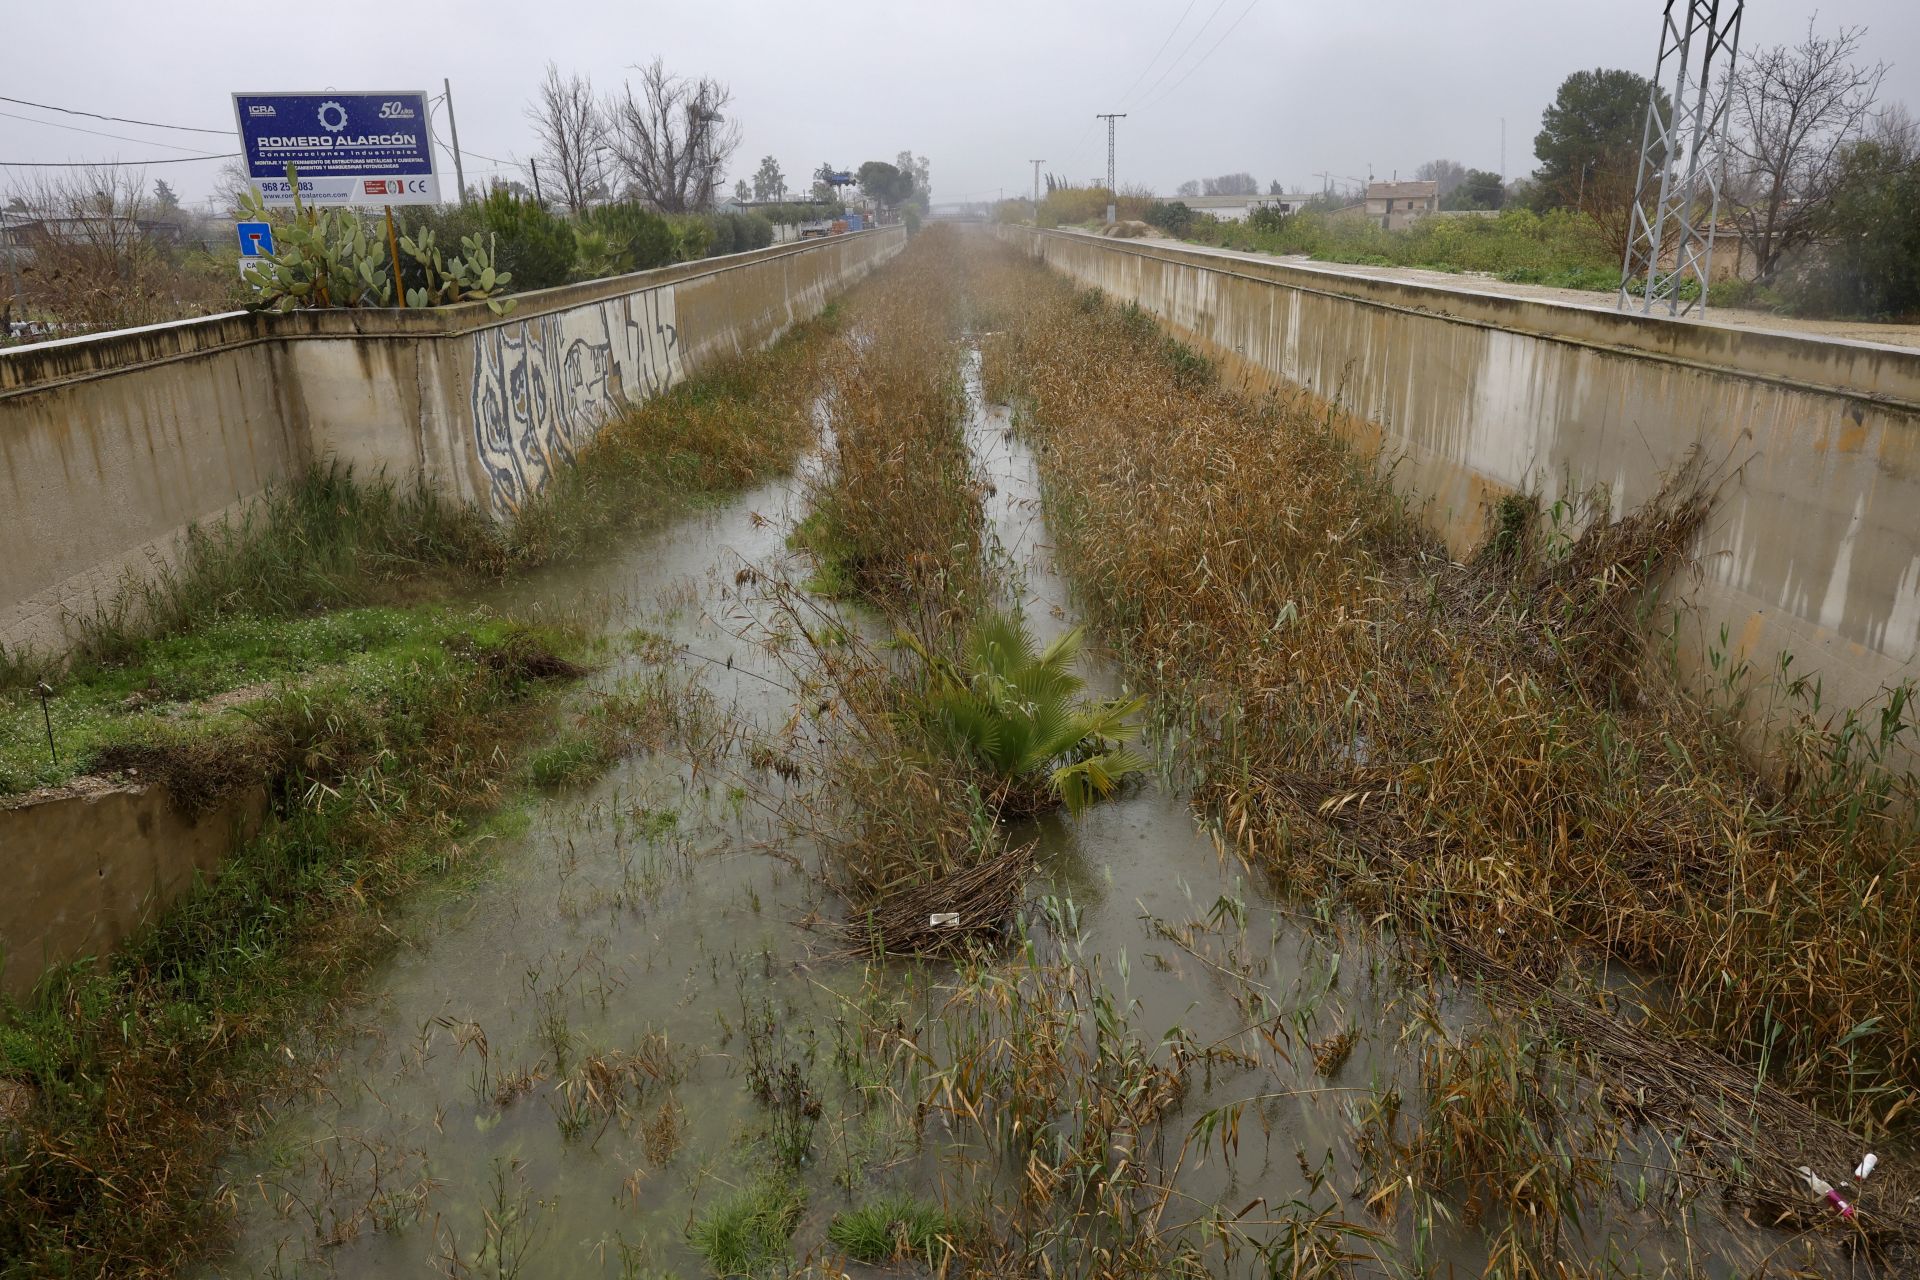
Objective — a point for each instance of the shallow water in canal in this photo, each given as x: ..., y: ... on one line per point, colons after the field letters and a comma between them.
x: 634, y: 937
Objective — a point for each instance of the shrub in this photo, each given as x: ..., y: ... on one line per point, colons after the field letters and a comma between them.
x: 1017, y: 714
x: 692, y: 238
x: 1175, y: 217
x: 617, y: 238
x: 754, y: 232
x: 534, y: 245
x: 1733, y: 293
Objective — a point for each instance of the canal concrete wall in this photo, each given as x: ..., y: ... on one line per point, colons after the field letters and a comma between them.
x: 112, y: 446
x: 1813, y: 549
x: 91, y: 863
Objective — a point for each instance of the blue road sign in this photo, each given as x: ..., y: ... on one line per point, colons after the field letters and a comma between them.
x: 347, y: 148
x: 256, y: 238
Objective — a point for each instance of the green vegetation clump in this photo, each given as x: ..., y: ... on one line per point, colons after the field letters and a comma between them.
x: 894, y: 1228
x: 536, y: 247
x: 750, y: 1233
x: 615, y: 239
x: 1017, y: 714
x: 322, y: 541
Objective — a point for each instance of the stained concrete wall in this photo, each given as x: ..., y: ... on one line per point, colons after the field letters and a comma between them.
x: 1814, y: 544
x: 111, y: 446
x: 91, y: 864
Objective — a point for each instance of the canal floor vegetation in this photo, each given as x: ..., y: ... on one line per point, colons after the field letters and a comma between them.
x: 1494, y: 756
x: 859, y: 912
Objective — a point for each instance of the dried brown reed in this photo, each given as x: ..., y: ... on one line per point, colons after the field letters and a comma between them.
x: 1484, y: 747
x: 896, y: 518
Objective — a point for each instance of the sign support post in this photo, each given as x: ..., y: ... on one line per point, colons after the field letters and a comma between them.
x: 393, y: 246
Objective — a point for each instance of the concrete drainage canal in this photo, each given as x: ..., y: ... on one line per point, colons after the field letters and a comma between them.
x: 676, y: 1028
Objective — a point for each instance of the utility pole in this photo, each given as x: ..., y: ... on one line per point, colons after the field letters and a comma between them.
x: 1113, y: 193
x: 1036, y: 189
x: 459, y: 171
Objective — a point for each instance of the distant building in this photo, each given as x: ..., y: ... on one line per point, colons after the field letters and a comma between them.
x: 1238, y: 208
x: 1396, y: 205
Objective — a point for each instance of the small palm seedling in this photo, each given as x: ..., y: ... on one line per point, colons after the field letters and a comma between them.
x: 1018, y: 715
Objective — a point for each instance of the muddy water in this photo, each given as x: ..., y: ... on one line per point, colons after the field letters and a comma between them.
x: 458, y: 1128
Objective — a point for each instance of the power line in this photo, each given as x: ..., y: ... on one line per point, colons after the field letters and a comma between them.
x: 1157, y: 52
x: 1188, y: 47
x: 469, y: 151
x: 151, y: 124
x: 98, y: 133
x: 112, y: 164
x: 1208, y: 54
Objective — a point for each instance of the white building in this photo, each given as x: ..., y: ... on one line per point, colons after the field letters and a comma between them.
x: 1239, y: 208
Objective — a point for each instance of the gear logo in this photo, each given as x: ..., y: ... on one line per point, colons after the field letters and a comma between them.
x: 333, y: 117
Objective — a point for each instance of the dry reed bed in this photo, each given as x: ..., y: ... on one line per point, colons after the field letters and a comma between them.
x: 1482, y: 746
x: 897, y: 517
x: 896, y: 523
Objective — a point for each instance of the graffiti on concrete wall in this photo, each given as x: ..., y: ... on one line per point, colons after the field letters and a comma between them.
x: 543, y: 387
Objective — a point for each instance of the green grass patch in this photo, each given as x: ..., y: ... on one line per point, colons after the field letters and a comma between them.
x: 575, y: 758
x: 750, y: 1233
x: 1560, y: 247
x: 894, y: 1228
x: 124, y: 1081
x: 210, y: 683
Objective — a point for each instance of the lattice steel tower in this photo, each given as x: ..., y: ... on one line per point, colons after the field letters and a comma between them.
x: 1676, y: 198
x: 1112, y: 195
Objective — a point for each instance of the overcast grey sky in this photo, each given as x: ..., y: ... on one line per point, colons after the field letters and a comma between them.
x: 978, y: 86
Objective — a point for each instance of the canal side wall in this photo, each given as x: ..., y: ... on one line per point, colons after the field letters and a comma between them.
x: 1813, y: 548
x: 112, y: 446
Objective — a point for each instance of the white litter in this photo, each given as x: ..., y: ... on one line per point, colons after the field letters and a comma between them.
x: 944, y: 920
x: 1865, y: 1167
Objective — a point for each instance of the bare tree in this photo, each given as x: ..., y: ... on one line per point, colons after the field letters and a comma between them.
x: 573, y: 135
x: 90, y: 260
x: 672, y: 139
x: 1230, y: 184
x: 1794, y: 111
x: 1448, y: 173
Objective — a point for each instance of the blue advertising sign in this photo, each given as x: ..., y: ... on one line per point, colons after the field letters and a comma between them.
x: 347, y: 148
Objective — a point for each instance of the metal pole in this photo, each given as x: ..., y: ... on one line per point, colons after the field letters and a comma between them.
x: 45, y: 691
x: 453, y: 127
x: 1036, y: 189
x: 1113, y: 194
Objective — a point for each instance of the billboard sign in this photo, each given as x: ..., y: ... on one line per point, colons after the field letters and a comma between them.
x: 348, y: 148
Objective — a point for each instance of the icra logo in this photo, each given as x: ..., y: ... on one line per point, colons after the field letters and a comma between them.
x: 260, y: 109
x: 333, y: 117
